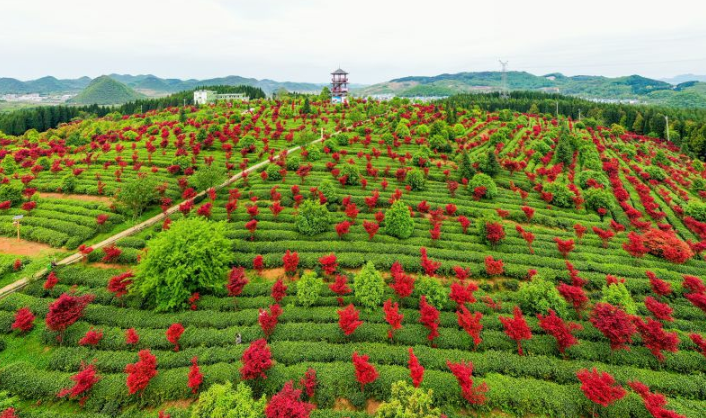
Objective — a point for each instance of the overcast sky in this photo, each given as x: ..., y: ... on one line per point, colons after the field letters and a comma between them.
x: 374, y: 40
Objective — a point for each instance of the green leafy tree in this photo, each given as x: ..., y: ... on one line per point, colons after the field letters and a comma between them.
x: 483, y: 180
x: 619, y: 295
x: 306, y: 107
x: 398, y: 221
x: 191, y: 256
x: 369, y: 286
x: 540, y: 295
x: 352, y: 174
x: 416, y: 180
x: 223, y: 401
x: 11, y: 192
x: 597, y: 198
x: 465, y: 167
x: 208, y: 176
x: 136, y: 194
x: 312, y: 218
x: 489, y: 164
x: 406, y: 401
x: 563, y: 197
x: 309, y: 289
x: 437, y: 294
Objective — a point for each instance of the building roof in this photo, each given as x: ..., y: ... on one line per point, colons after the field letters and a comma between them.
x: 339, y: 71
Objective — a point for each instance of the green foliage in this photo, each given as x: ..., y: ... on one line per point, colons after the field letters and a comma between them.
x: 489, y: 164
x: 598, y: 176
x: 9, y: 166
x: 191, y: 256
x: 619, y: 295
x: 597, y: 198
x: 398, y: 221
x: 505, y: 115
x: 421, y: 157
x: 406, y: 401
x: 352, y: 174
x: 656, y: 173
x: 136, y: 194
x: 696, y: 209
x: 273, y: 173
x: 563, y: 197
x: 437, y: 294
x: 465, y: 167
x: 564, y: 152
x: 293, y: 162
x: 11, y: 192
x: 439, y: 143
x: 486, y: 181
x: 208, y: 176
x: 369, y: 287
x: 402, y: 130
x: 327, y: 188
x: 540, y: 295
x: 222, y: 401
x: 416, y: 180
x: 309, y: 289
x: 312, y: 218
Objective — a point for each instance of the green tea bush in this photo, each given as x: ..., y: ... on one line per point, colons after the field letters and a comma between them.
x: 309, y: 288
x: 313, y: 218
x: 369, y: 287
x: 398, y: 221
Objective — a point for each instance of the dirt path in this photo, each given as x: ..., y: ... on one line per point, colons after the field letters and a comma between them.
x: 84, y: 197
x: 22, y: 247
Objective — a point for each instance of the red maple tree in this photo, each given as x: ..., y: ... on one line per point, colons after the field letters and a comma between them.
x: 493, y: 267
x: 429, y: 317
x: 309, y: 382
x: 516, y: 328
x: 287, y: 403
x: 416, y: 371
x: 392, y: 316
x: 66, y: 310
x: 279, y: 290
x: 560, y: 330
x: 564, y: 246
x: 329, y: 264
x: 371, y: 228
x: 140, y: 373
x: 365, y: 373
x: 600, y: 387
x: 131, y: 337
x: 348, y: 319
x: 659, y: 310
x: 575, y: 295
x: 659, y: 286
x: 119, y: 284
x: 343, y: 228
x: 84, y: 380
x: 655, y: 338
x: 236, y: 281
x: 463, y: 294
x: 471, y: 323
x: 268, y: 320
x: 195, y: 376
x: 24, y: 320
x: 174, y: 334
x: 291, y: 262
x: 51, y: 281
x: 654, y: 402
x: 464, y: 375
x: 256, y: 359
x: 604, y: 234
x: 614, y: 323
x: 258, y: 263
x: 91, y: 338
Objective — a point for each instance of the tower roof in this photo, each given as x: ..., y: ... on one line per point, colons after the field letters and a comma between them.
x: 339, y: 71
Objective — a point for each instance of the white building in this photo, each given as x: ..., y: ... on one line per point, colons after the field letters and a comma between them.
x: 202, y: 97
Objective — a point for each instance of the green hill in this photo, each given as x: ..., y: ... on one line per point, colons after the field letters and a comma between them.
x: 104, y: 90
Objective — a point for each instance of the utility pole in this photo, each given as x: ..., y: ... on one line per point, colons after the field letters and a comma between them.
x: 666, y: 119
x: 557, y: 110
x: 140, y: 109
x: 504, y: 94
x: 579, y: 115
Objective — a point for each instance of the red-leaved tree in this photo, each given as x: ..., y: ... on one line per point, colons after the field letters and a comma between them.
x: 429, y: 317
x: 474, y: 394
x: 309, y: 382
x: 471, y: 323
x: 560, y: 330
x: 66, y: 310
x: 119, y: 284
x: 564, y: 246
x: 659, y: 310
x: 463, y: 294
x: 291, y: 262
x: 575, y: 295
x: 365, y: 373
x: 131, y: 337
x: 392, y: 316
x: 268, y: 320
x: 91, y: 338
x: 329, y: 264
x: 416, y: 371
x: 493, y: 267
x: 256, y: 359
x: 279, y: 290
x: 614, y: 323
x: 84, y: 380
x: 340, y: 287
x: 287, y: 403
x: 236, y: 281
x: 140, y: 373
x: 174, y: 334
x: 600, y: 387
x: 655, y: 338
x: 195, y: 376
x: 24, y: 320
x: 348, y: 319
x: 654, y: 402
x: 516, y: 328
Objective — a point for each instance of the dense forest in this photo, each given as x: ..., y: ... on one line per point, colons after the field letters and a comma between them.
x: 47, y: 117
x: 687, y: 127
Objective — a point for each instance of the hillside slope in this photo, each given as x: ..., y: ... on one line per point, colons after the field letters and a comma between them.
x: 104, y: 91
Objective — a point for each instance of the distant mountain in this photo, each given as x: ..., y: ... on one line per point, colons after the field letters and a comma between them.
x: 633, y: 87
x: 106, y: 91
x: 683, y: 78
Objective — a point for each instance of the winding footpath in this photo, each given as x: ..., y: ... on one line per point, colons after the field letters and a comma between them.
x: 19, y: 284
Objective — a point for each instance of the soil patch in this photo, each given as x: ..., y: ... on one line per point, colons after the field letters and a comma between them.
x: 85, y: 197
x: 343, y: 404
x: 109, y: 266
x: 26, y: 248
x: 371, y: 406
x: 272, y: 274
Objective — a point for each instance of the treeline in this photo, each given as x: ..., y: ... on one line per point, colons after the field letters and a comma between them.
x: 687, y: 127
x: 43, y: 118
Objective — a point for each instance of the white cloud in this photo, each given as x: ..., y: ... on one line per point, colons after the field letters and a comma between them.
x: 374, y: 40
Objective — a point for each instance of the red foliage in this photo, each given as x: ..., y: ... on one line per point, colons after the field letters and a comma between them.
x: 697, y: 299
x: 119, y: 284
x: 51, y: 281
x: 471, y: 323
x: 392, y: 316
x: 343, y: 228
x: 365, y: 373
x: 655, y: 338
x: 479, y: 192
x: 428, y: 265
x: 462, y: 273
x: 614, y: 323
x: 564, y: 246
x: 140, y: 373
x: 700, y: 343
x: 258, y: 263
x: 348, y: 319
x: 340, y: 287
x: 600, y: 387
x: 416, y: 371
x: 8, y: 413
x: 659, y: 286
x: 371, y: 228
x: 174, y: 334
x: 84, y: 380
x: 635, y: 245
x: 309, y: 382
x: 279, y: 290
x: 24, y: 320
x: 402, y: 283
x: 329, y: 264
x: 493, y: 267
x: 92, y: 337
x: 131, y: 337
x: 665, y: 244
x: 575, y: 295
x: 256, y: 359
x: 494, y: 232
x: 579, y: 230
x: 659, y: 310
x: 654, y: 402
x: 604, y: 234
x: 287, y: 403
x: 516, y: 328
x: 291, y: 262
x: 464, y: 375
x: 461, y: 294
x: 269, y: 320
x: 693, y: 284
x: 560, y: 330
x: 251, y: 226
x: 195, y: 376
x: 429, y: 317
x: 111, y: 254
x: 236, y: 281
x: 66, y: 310
x: 465, y: 223
x: 529, y: 212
